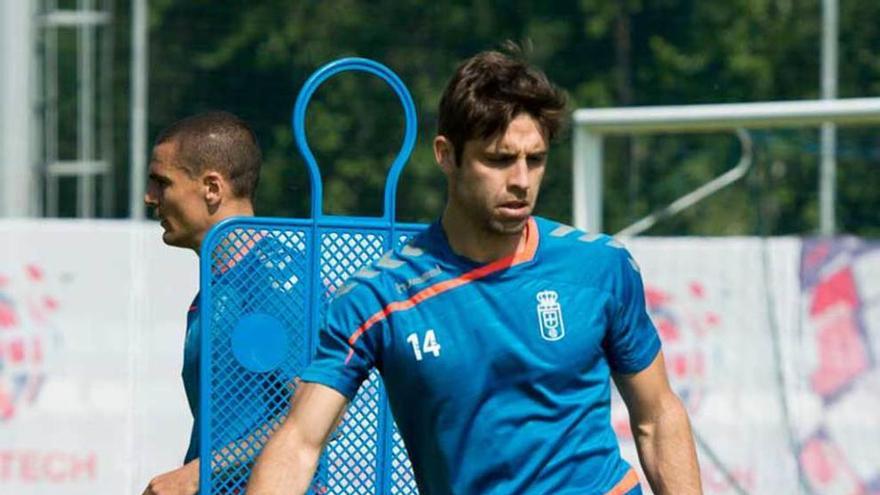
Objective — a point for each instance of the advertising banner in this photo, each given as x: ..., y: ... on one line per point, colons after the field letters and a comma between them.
x: 772, y: 345
x: 92, y: 321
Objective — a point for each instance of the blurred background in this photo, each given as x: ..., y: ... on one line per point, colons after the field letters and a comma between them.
x: 763, y: 276
x: 78, y: 77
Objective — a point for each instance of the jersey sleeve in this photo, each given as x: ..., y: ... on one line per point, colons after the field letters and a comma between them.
x: 339, y: 364
x: 631, y: 343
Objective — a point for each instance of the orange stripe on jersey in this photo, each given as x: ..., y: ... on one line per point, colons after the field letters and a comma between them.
x: 525, y: 251
x: 630, y: 481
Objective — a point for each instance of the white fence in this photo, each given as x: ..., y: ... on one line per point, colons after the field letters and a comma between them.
x: 773, y: 346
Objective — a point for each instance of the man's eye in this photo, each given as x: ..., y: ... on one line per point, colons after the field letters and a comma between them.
x: 157, y: 181
x: 537, y: 161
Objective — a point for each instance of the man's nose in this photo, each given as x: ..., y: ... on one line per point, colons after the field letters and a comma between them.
x: 519, y: 174
x: 150, y: 198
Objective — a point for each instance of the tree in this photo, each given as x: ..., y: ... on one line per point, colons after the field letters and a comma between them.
x: 252, y: 57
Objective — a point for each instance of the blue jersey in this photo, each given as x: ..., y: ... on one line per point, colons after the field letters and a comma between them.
x: 190, y: 374
x: 497, y: 374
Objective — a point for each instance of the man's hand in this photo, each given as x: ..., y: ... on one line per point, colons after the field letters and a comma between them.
x: 181, y: 481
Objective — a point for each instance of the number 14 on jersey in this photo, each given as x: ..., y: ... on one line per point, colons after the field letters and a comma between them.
x: 428, y: 346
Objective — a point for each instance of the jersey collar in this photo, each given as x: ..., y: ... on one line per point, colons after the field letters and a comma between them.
x: 525, y: 251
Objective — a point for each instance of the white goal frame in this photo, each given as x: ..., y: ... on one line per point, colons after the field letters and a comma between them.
x: 592, y: 125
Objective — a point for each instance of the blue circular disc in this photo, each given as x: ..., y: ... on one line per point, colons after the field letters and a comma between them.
x: 259, y: 342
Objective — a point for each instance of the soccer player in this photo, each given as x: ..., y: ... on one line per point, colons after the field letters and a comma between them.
x: 205, y: 169
x: 497, y: 333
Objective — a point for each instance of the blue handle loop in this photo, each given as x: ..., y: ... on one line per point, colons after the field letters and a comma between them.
x: 299, y: 132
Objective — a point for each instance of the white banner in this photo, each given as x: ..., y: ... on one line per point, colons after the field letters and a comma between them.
x: 92, y: 320
x: 768, y: 343
x: 772, y: 345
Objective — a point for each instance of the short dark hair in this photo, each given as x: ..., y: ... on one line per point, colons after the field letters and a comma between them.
x: 489, y: 90
x: 218, y: 141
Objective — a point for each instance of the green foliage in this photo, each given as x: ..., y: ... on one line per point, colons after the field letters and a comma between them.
x: 251, y: 58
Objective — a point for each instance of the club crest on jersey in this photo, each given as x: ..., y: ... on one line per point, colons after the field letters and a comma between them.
x: 550, y: 315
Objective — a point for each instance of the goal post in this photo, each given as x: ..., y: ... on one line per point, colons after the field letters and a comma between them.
x: 592, y: 125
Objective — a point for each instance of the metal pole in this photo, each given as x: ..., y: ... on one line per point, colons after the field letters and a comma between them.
x: 727, y: 116
x: 50, y: 126
x: 37, y: 67
x: 578, y: 179
x: 828, y: 137
x: 86, y: 134
x: 105, y: 103
x: 18, y: 173
x: 699, y: 194
x: 587, y: 180
x: 138, y: 109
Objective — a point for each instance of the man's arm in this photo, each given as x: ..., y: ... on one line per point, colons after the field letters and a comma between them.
x: 661, y: 429
x: 288, y: 461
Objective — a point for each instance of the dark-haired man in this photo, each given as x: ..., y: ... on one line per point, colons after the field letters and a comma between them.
x: 205, y: 169
x: 498, y: 367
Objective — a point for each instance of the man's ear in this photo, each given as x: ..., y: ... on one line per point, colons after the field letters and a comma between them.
x: 216, y: 188
x: 444, y: 154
